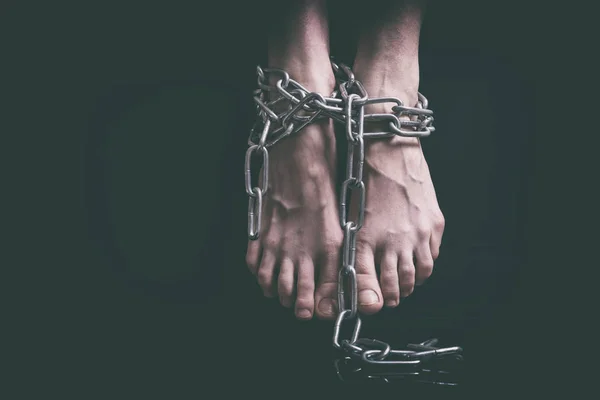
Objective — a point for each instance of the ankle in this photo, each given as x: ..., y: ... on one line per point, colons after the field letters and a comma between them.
x: 315, y: 75
x: 313, y: 146
x: 390, y: 77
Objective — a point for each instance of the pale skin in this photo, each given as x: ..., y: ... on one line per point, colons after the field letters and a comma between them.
x: 297, y: 256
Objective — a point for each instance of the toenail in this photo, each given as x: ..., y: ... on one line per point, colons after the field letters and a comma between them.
x: 326, y: 306
x: 368, y: 297
x: 303, y: 313
x: 391, y: 303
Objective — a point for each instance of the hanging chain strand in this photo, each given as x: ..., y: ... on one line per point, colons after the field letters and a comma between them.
x: 284, y: 109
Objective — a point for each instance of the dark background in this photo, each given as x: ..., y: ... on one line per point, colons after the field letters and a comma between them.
x: 150, y: 107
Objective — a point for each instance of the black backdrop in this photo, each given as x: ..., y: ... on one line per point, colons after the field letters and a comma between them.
x: 158, y: 98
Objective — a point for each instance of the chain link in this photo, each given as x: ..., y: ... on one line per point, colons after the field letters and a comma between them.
x: 284, y: 108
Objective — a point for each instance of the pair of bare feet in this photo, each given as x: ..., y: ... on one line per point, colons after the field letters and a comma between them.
x: 297, y: 256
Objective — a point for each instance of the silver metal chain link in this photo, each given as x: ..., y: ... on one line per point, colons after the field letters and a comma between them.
x: 284, y: 109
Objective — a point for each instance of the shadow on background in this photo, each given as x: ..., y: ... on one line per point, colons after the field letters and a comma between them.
x: 155, y: 186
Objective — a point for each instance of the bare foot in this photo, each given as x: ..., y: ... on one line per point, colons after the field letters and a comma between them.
x: 301, y: 234
x: 403, y: 222
x: 402, y: 232
x: 403, y: 225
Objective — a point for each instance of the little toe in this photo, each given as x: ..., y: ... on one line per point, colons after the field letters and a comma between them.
x: 305, y: 298
x: 253, y: 256
x: 370, y: 299
x: 434, y: 244
x: 424, y: 263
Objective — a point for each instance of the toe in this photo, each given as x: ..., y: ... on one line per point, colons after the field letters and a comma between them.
x: 388, y: 279
x: 285, y: 284
x: 253, y: 255
x: 325, y: 295
x: 424, y: 263
x: 305, y: 297
x: 436, y: 237
x: 265, y: 273
x: 406, y: 273
x: 370, y: 299
x: 434, y: 245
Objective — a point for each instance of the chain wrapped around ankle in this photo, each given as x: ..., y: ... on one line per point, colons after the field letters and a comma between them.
x: 297, y: 107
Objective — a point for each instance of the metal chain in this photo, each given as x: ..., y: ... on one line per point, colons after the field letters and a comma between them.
x: 284, y: 109
x: 442, y: 371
